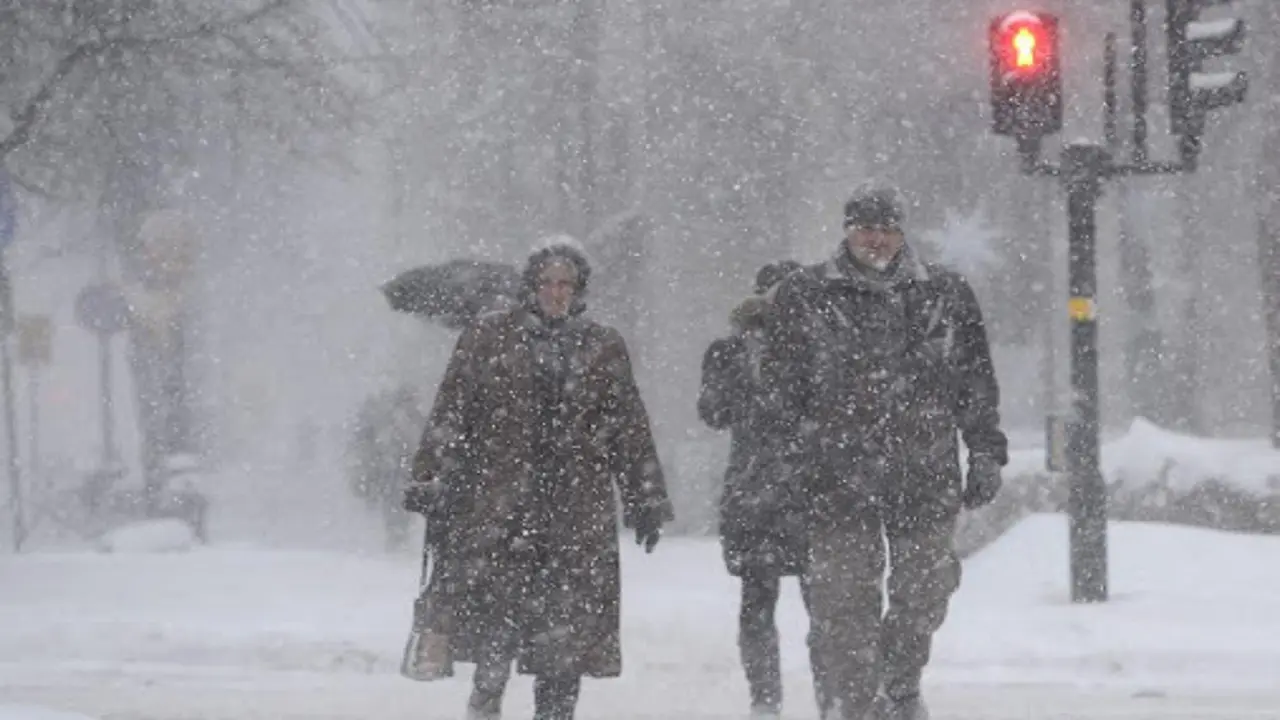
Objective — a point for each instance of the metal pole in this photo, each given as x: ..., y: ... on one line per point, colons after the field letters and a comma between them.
x: 10, y: 415
x: 1110, y: 126
x: 1083, y: 169
x: 1138, y: 78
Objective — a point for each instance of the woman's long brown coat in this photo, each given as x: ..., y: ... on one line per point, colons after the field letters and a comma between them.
x: 555, y: 578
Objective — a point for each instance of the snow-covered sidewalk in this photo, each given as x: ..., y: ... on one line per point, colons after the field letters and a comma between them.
x: 1191, y: 611
x: 33, y: 712
x: 1188, y: 608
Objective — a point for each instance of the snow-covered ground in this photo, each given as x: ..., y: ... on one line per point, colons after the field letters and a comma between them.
x: 1193, y: 630
x: 33, y: 712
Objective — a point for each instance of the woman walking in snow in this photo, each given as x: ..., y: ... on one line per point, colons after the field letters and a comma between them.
x: 537, y: 418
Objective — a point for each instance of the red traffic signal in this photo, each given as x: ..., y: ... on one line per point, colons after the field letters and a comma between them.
x: 1026, y: 78
x: 1023, y: 42
x: 1024, y: 48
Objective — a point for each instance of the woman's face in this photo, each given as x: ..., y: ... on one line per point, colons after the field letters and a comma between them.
x: 557, y: 285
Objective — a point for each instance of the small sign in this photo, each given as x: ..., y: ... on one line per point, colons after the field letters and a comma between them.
x: 35, y: 340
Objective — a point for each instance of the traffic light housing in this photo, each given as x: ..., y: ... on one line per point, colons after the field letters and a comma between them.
x: 1193, y: 92
x: 1026, y: 75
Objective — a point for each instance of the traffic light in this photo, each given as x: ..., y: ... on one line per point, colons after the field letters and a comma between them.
x: 1192, y: 92
x: 1026, y: 75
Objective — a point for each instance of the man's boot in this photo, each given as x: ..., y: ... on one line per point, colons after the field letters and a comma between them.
x: 476, y: 714
x: 555, y: 698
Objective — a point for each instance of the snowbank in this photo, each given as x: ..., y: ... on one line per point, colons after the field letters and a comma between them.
x: 167, y: 535
x: 1148, y: 455
x: 1152, y: 474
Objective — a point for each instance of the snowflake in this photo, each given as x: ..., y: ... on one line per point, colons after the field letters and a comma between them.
x: 966, y: 243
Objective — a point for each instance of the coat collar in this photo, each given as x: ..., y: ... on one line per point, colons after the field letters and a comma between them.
x: 908, y: 267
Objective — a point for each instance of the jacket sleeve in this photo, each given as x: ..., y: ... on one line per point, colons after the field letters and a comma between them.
x: 789, y: 356
x: 632, y: 454
x: 447, y: 441
x: 722, y: 398
x: 978, y: 407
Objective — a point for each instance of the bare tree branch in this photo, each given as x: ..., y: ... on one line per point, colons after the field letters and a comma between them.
x: 206, y: 29
x: 30, y: 116
x: 33, y: 188
x: 26, y: 120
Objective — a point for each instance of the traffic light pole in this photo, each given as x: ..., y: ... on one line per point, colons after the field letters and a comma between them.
x: 1138, y: 77
x: 1083, y: 169
x: 1026, y: 97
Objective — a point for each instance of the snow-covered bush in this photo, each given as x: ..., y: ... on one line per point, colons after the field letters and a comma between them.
x: 1153, y: 475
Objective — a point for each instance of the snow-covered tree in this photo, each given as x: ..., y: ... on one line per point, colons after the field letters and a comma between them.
x: 86, y: 85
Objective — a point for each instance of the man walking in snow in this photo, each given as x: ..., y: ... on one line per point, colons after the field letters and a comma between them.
x: 882, y: 365
x: 760, y: 534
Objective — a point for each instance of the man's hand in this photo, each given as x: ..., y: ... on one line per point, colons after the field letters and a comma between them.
x: 983, y: 481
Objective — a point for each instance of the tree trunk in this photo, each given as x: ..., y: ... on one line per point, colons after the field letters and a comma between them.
x: 1268, y: 204
x: 575, y: 77
x: 1188, y: 382
x: 586, y: 51
x: 1144, y: 341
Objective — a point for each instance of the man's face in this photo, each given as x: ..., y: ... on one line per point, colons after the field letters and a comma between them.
x: 557, y: 284
x: 874, y: 246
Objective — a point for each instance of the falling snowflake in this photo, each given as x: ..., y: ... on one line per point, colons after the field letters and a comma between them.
x: 966, y: 242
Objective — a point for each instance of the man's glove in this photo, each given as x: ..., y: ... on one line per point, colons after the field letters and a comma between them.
x: 648, y: 528
x: 982, y: 482
x: 750, y: 314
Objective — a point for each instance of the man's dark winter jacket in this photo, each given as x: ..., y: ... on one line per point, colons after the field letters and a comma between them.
x: 759, y: 530
x: 875, y: 373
